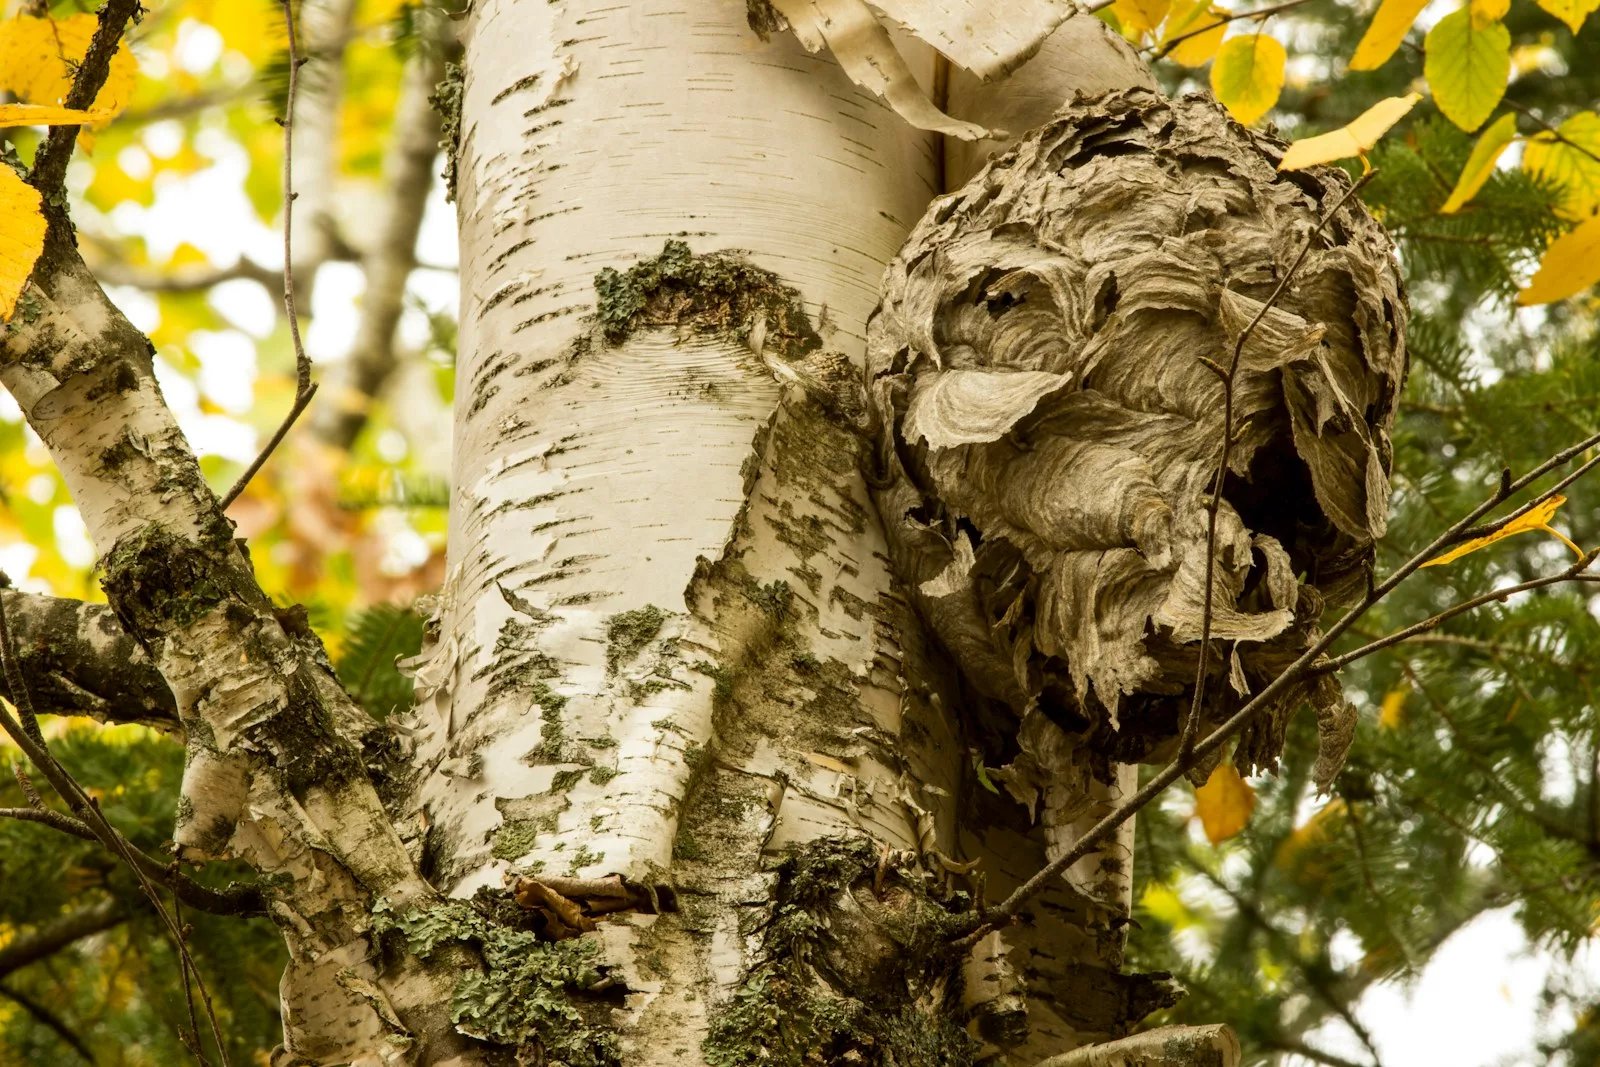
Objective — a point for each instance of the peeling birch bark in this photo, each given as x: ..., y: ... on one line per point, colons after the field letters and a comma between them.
x: 78, y: 660
x: 275, y: 771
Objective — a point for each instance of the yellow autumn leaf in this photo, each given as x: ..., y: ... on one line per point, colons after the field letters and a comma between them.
x: 1536, y: 518
x: 1480, y: 164
x: 1570, y: 265
x: 1572, y: 12
x: 1392, y: 713
x: 22, y: 229
x: 1205, y: 21
x: 47, y: 115
x: 1467, y: 66
x: 1353, y: 140
x: 1487, y: 11
x: 1310, y: 836
x: 1142, y: 16
x: 1569, y: 164
x: 39, y: 56
x: 1224, y: 803
x: 1247, y: 75
x: 1162, y: 903
x: 1384, y: 34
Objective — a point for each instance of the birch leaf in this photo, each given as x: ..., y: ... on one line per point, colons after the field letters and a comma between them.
x: 22, y: 229
x: 1248, y: 75
x: 1141, y: 15
x: 1388, y: 28
x: 1537, y: 518
x: 1569, y: 166
x: 1572, y: 12
x: 1224, y: 803
x: 1353, y: 140
x: 1392, y: 713
x: 1467, y: 67
x: 45, y: 115
x: 1571, y: 264
x: 39, y: 56
x: 1480, y: 164
x: 1485, y: 12
x: 1202, y: 15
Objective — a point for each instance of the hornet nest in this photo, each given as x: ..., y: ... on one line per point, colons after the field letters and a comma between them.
x: 1049, y: 433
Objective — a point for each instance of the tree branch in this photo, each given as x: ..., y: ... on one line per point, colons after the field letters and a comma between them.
x: 1213, y: 1045
x: 50, y: 163
x: 47, y: 939
x: 389, y: 260
x: 78, y: 660
x: 50, y: 1020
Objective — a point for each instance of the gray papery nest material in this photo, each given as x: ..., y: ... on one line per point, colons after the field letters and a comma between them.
x: 1050, y: 432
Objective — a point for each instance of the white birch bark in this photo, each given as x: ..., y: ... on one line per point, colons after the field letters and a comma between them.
x: 617, y: 685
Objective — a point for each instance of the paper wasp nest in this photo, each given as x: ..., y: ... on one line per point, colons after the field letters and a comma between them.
x: 1049, y: 431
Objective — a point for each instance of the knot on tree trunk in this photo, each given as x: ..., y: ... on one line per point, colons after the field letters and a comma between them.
x: 1051, y: 370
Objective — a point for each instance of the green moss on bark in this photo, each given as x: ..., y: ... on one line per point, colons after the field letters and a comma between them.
x: 532, y: 995
x: 628, y: 632
x: 716, y: 292
x: 868, y: 984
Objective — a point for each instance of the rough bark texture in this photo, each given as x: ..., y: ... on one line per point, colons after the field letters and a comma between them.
x: 276, y: 773
x: 78, y: 660
x: 1049, y: 431
x: 689, y: 761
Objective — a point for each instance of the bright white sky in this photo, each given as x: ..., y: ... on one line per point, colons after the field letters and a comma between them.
x: 1476, y: 1005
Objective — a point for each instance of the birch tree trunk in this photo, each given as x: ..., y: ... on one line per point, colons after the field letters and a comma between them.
x: 696, y: 773
x: 673, y: 678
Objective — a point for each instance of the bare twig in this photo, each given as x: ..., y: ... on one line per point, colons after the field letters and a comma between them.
x: 1297, y: 671
x: 54, y: 819
x: 1572, y: 573
x: 88, y: 812
x: 1551, y: 130
x: 1488, y: 528
x: 183, y: 968
x: 1168, y: 45
x: 305, y: 388
x: 1214, y: 501
x: 50, y: 163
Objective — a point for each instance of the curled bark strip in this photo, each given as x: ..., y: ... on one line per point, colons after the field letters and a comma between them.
x: 863, y: 47
x: 1041, y: 368
x: 569, y: 906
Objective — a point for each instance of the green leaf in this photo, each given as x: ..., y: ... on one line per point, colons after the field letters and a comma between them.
x: 1247, y: 75
x: 1467, y: 67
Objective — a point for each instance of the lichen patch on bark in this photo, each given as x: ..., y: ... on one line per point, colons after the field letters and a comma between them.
x: 715, y: 291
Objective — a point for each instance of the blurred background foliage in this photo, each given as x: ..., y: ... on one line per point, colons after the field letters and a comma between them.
x: 1472, y: 786
x: 1474, y: 782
